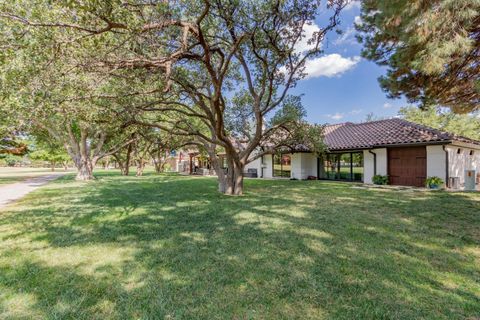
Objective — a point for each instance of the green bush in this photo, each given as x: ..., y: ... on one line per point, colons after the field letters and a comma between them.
x: 379, y: 179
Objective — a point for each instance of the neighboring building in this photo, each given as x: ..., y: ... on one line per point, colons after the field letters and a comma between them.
x: 188, y: 161
x: 407, y: 152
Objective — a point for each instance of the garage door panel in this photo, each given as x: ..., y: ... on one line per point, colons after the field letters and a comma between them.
x: 407, y: 166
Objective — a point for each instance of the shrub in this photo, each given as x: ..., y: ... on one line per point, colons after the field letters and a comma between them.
x: 379, y: 179
x: 12, y: 160
x: 433, y: 182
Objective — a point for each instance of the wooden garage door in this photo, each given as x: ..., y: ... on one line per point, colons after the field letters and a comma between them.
x: 407, y: 166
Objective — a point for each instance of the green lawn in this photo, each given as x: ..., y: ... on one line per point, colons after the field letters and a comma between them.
x: 170, y: 247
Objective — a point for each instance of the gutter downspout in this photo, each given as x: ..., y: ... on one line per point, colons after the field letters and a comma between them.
x: 446, y: 167
x: 261, y: 167
x: 374, y: 162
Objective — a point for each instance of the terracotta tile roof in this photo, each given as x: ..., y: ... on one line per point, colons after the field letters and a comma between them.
x: 389, y: 132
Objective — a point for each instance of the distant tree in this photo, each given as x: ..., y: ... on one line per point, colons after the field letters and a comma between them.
x: 431, y: 49
x: 123, y: 156
x: 467, y: 125
x: 52, y: 156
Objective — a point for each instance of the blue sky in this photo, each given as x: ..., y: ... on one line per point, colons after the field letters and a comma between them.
x: 341, y: 86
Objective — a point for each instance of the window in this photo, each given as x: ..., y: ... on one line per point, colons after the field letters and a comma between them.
x: 342, y: 166
x: 357, y: 166
x: 282, y: 165
x: 472, y: 152
x: 459, y: 151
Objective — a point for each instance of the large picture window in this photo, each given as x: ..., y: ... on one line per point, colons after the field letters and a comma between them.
x: 342, y: 166
x: 282, y: 165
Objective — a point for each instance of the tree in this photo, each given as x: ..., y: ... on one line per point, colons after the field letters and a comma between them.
x: 217, y: 58
x: 52, y: 156
x: 45, y: 92
x: 431, y: 50
x: 155, y: 145
x: 123, y: 157
x: 467, y: 125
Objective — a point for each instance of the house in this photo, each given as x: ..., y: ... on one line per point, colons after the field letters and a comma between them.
x: 407, y: 152
x: 188, y: 161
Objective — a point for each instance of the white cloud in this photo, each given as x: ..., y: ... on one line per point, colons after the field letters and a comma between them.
x: 347, y: 36
x: 336, y: 116
x: 387, y: 105
x: 330, y: 65
x: 358, y: 21
x: 352, y: 4
x: 339, y: 116
x: 307, y: 34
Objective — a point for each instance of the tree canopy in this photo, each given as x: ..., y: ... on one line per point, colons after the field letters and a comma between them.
x: 431, y: 49
x: 209, y: 70
x: 467, y: 125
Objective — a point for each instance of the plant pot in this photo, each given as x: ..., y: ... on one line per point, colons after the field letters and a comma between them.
x: 433, y: 186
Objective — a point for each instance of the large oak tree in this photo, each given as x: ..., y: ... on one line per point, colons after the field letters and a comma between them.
x: 227, y: 65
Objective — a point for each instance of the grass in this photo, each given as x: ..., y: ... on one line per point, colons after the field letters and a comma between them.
x: 15, y: 174
x: 171, y: 247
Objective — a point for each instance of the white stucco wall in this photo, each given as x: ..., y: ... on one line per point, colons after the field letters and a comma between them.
x: 296, y: 171
x: 368, y: 164
x: 255, y: 164
x: 368, y: 170
x: 310, y: 162
x: 303, y: 165
x: 436, y: 162
x: 382, y: 161
x: 459, y: 162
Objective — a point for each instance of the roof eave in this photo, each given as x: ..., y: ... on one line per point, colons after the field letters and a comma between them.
x: 391, y: 145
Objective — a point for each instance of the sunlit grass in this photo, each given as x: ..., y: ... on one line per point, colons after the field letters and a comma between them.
x: 171, y: 247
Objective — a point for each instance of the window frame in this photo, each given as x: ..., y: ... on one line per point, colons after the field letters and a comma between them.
x: 281, y: 165
x: 336, y: 158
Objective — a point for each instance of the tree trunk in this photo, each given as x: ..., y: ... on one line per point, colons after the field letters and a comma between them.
x: 140, y: 167
x: 65, y: 166
x: 221, y: 174
x: 126, y: 167
x: 85, y: 170
x: 52, y: 165
x: 106, y: 164
x: 231, y: 182
x: 238, y: 180
x: 158, y: 165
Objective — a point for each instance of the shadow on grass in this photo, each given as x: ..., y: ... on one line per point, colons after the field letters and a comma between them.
x: 171, y: 246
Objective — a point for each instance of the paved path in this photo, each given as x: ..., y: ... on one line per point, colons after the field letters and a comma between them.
x: 11, y: 192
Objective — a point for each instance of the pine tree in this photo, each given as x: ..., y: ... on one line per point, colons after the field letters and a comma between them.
x: 431, y: 49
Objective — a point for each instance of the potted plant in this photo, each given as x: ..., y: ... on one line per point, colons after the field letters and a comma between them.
x: 433, y: 182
